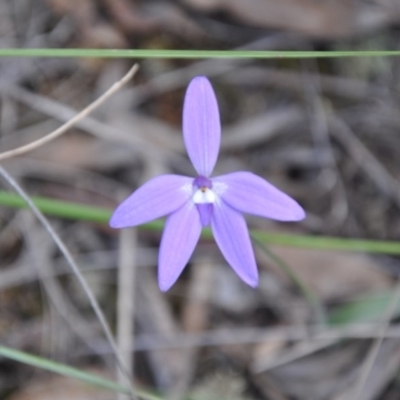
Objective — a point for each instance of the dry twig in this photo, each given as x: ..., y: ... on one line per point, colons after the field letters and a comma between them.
x: 62, y: 129
x: 126, y: 297
x: 68, y: 256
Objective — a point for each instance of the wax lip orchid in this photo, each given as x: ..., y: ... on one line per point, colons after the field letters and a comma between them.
x: 192, y: 203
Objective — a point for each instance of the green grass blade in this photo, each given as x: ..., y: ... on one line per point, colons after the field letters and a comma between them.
x: 66, y: 370
x: 61, y: 369
x: 329, y: 243
x: 81, y: 212
x: 192, y: 54
x: 58, y: 208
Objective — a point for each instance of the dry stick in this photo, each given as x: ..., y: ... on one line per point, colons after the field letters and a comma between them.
x: 63, y: 128
x: 374, y: 350
x: 388, y: 185
x: 89, y: 124
x: 64, y: 307
x: 365, y: 160
x: 194, y: 319
x: 298, y: 351
x: 126, y: 297
x: 222, y: 337
x: 65, y: 252
x: 322, y: 142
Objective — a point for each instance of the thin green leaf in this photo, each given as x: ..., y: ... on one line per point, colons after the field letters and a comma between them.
x: 58, y: 208
x: 329, y: 243
x: 81, y: 212
x: 66, y: 370
x: 61, y: 369
x: 192, y: 54
x: 368, y: 308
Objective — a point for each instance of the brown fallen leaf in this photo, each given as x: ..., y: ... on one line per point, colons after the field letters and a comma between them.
x: 331, y: 274
x: 61, y: 388
x: 323, y: 19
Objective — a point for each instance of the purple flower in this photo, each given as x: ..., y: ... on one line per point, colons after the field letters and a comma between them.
x: 192, y: 203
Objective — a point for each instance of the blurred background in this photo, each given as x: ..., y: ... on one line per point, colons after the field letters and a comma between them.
x: 324, y: 131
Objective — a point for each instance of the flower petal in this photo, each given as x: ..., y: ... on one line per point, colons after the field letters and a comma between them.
x: 201, y: 125
x: 181, y: 234
x: 205, y: 212
x: 158, y: 197
x: 252, y: 194
x: 232, y: 236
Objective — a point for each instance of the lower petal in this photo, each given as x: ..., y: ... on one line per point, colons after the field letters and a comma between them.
x: 205, y: 212
x: 181, y: 234
x: 232, y: 236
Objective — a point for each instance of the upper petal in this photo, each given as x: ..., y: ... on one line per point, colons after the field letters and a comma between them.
x: 252, y: 194
x: 181, y: 234
x: 201, y: 125
x: 232, y: 236
x: 158, y: 197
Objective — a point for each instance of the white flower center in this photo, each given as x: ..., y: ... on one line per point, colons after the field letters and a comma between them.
x: 204, y: 195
